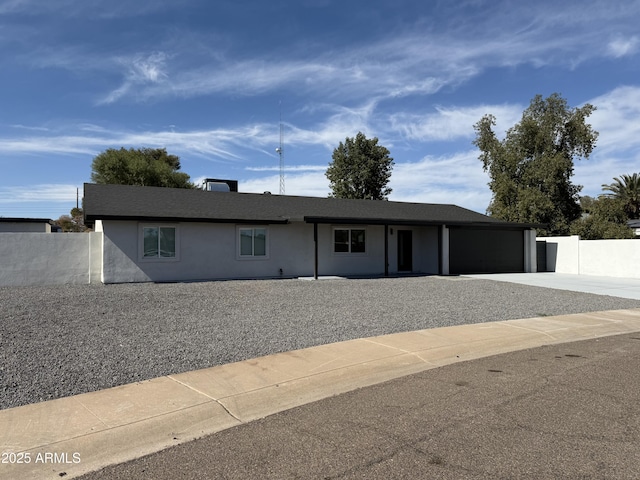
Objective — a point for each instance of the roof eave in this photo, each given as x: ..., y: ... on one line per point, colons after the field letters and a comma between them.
x: 142, y: 218
x: 417, y: 222
x: 24, y: 220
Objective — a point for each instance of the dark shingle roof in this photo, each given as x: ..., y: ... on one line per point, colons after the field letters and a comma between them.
x: 24, y: 220
x: 102, y: 202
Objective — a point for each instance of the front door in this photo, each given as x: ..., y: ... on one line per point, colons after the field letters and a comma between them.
x: 405, y: 250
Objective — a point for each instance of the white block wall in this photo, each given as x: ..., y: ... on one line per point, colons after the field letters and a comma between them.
x: 608, y: 258
x: 48, y: 258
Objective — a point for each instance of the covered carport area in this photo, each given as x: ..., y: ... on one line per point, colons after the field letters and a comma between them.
x: 461, y: 247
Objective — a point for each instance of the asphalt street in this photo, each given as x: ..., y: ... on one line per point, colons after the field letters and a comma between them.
x: 564, y: 411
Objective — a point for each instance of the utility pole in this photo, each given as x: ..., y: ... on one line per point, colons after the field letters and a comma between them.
x: 280, y: 152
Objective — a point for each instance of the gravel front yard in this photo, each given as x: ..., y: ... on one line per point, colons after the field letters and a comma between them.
x: 60, y: 341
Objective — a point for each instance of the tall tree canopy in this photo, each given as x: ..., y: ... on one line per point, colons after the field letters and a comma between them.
x: 531, y: 168
x: 146, y: 167
x: 604, y: 218
x: 360, y: 169
x: 627, y: 190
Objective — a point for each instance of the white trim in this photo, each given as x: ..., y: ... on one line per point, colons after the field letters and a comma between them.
x: 253, y: 257
x: 142, y: 258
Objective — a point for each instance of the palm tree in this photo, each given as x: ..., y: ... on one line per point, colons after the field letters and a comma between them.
x: 627, y: 189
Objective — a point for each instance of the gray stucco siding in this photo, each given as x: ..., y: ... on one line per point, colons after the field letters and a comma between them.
x: 369, y: 262
x: 210, y: 251
x: 205, y: 251
x: 424, y: 252
x: 31, y: 227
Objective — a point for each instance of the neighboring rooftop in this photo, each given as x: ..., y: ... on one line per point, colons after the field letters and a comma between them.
x: 24, y: 220
x: 25, y: 225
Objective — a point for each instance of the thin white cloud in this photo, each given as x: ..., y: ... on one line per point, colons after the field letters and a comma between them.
x: 94, y: 8
x: 618, y: 148
x: 312, y: 184
x: 622, y: 47
x: 451, y: 123
x: 601, y: 169
x: 430, y: 180
x: 48, y: 145
x: 140, y: 70
x: 249, y: 77
x: 11, y: 6
x: 409, y: 64
x: 289, y: 168
x: 457, y: 179
x: 25, y: 127
x: 416, y: 61
x: 38, y: 193
x: 339, y: 123
x: 616, y: 118
x: 217, y: 143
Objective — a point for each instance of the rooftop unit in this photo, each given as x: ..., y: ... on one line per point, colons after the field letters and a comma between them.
x: 219, y: 185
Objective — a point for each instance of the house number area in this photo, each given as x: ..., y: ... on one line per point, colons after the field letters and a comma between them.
x: 42, y: 457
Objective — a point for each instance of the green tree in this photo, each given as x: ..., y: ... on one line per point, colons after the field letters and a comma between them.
x: 606, y: 219
x: 77, y: 216
x: 586, y: 204
x: 146, y: 167
x: 73, y: 222
x: 531, y: 169
x: 360, y: 169
x: 627, y: 189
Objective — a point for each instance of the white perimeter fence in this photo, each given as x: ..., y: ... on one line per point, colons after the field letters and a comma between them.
x: 607, y: 258
x: 76, y: 258
x: 50, y: 258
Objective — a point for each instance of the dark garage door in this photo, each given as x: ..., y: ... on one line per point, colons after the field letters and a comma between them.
x: 478, y: 250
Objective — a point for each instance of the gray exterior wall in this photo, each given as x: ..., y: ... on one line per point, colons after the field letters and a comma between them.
x: 206, y: 251
x: 32, y: 227
x: 425, y: 249
x: 209, y: 251
x: 369, y: 263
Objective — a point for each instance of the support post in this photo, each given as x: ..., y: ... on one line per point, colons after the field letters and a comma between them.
x: 386, y: 250
x: 315, y: 251
x: 530, y: 252
x: 444, y: 250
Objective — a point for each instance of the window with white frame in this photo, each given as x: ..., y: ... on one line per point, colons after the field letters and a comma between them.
x: 159, y: 242
x: 349, y: 240
x: 252, y: 242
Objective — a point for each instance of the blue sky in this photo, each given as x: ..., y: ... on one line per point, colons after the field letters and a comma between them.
x: 208, y: 81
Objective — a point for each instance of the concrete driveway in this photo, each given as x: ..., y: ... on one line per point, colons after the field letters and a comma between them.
x: 612, y: 286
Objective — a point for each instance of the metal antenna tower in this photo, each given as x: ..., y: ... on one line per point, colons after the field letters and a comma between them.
x: 281, y: 153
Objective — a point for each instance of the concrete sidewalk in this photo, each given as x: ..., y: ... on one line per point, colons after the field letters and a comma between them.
x: 75, y: 435
x: 566, y: 411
